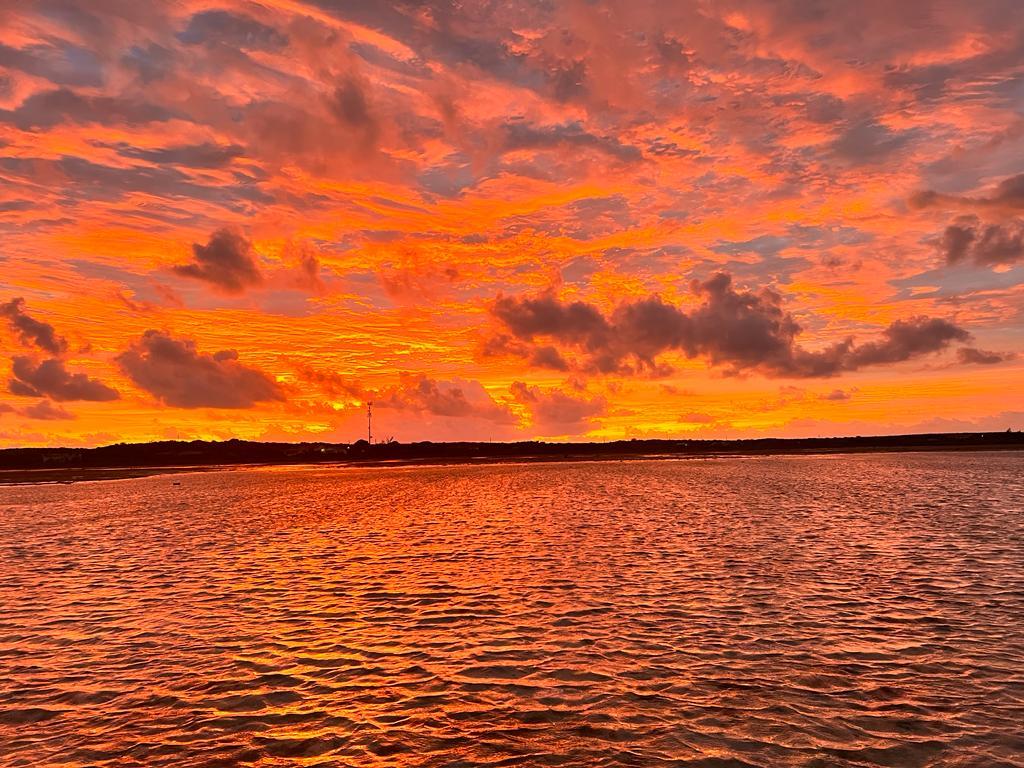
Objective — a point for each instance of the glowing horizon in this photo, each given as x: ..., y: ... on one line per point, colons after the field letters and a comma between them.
x: 559, y: 221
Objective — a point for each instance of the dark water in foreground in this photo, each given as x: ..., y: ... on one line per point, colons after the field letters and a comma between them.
x: 827, y: 611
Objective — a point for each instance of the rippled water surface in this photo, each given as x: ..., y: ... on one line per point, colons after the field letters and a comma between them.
x: 809, y: 611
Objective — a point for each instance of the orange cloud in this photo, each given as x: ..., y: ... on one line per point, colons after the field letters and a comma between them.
x: 359, y: 201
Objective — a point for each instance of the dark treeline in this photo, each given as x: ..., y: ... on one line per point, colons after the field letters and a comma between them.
x: 174, y: 453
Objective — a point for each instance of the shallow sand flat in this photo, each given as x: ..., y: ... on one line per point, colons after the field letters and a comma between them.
x: 78, y: 475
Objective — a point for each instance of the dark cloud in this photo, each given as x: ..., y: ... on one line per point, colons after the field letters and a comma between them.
x: 664, y: 148
x: 502, y: 344
x: 81, y: 179
x: 1009, y: 192
x: 673, y: 53
x: 45, y: 410
x: 993, y: 72
x: 51, y: 379
x: 150, y: 63
x: 740, y: 330
x: 233, y: 30
x: 227, y: 262
x: 557, y: 412
x: 8, y: 206
x: 62, y: 64
x: 869, y: 142
x: 177, y: 374
x: 577, y: 323
x: 968, y: 239
x: 31, y: 331
x: 203, y: 156
x: 568, y: 81
x: 523, y: 135
x: 548, y: 357
x: 824, y: 108
x: 351, y: 107
x: 837, y: 395
x: 1007, y: 196
x: 50, y: 108
x: 905, y: 340
x: 308, y: 275
x: 973, y: 356
x: 927, y: 82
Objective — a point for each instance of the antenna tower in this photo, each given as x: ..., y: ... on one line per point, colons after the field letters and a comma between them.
x: 369, y: 422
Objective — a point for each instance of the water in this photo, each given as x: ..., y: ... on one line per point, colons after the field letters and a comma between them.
x: 808, y: 611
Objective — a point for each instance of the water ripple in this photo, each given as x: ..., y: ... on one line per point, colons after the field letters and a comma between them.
x: 806, y: 611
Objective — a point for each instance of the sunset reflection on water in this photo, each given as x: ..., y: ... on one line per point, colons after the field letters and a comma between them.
x: 849, y: 611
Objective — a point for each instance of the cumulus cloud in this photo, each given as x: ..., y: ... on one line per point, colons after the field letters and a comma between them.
x: 968, y: 239
x: 905, y: 340
x: 556, y: 412
x: 738, y: 329
x: 44, y: 410
x: 51, y: 379
x: 178, y: 374
x: 227, y: 262
x: 331, y: 383
x: 30, y: 331
x: 417, y: 393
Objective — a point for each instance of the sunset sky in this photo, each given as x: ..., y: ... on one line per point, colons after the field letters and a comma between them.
x: 508, y: 220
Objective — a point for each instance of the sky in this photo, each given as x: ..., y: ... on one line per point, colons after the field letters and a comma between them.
x: 509, y: 220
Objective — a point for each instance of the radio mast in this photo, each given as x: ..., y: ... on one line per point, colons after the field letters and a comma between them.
x: 369, y: 421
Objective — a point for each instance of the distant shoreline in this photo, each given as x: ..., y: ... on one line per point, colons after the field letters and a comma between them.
x: 19, y: 466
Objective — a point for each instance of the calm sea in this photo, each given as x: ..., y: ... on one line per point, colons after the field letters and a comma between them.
x: 812, y: 611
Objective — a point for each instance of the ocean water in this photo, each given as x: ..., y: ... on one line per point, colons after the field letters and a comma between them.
x: 801, y: 611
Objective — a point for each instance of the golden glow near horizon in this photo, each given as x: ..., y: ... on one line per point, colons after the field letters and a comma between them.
x: 568, y: 221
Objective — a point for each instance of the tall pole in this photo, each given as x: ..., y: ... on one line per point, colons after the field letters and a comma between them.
x: 369, y: 422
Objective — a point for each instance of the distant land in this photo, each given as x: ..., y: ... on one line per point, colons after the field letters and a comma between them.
x: 20, y: 465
